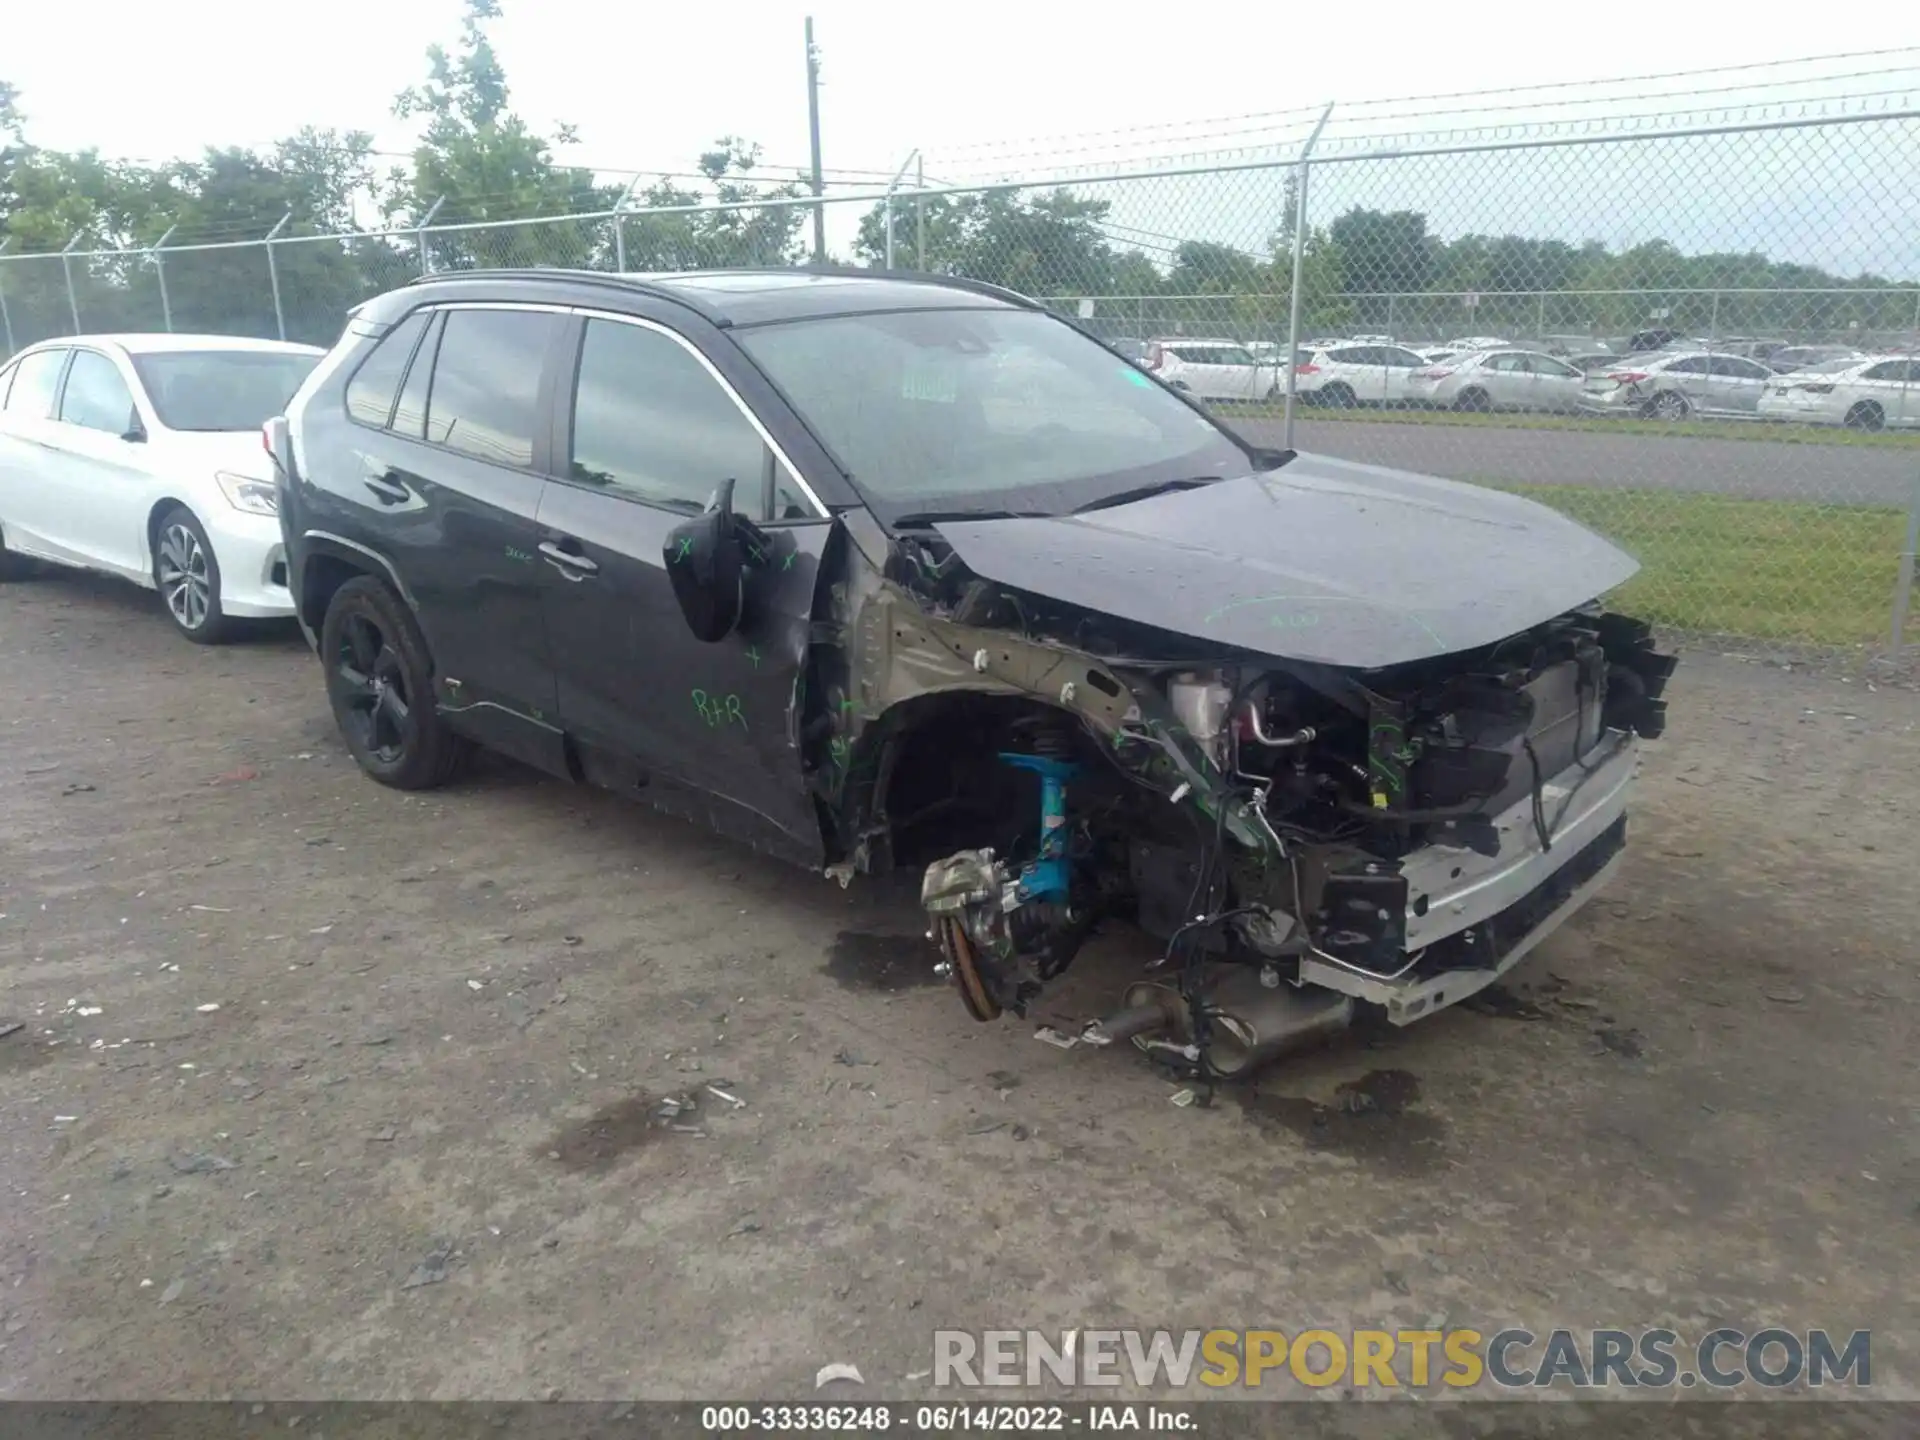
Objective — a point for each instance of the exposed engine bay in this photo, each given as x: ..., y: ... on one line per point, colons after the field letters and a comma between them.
x: 1299, y: 838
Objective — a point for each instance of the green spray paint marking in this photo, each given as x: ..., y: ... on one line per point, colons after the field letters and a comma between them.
x: 840, y: 750
x: 522, y: 556
x: 787, y: 564
x: 753, y: 654
x: 719, y: 710
x: 686, y: 548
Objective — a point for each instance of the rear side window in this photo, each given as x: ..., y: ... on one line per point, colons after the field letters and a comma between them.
x: 410, y: 413
x: 95, y: 395
x: 485, y: 400
x: 370, y: 393
x: 650, y: 423
x: 1693, y: 365
x: 35, y: 380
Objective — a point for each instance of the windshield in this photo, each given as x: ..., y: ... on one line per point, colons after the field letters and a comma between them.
x: 984, y: 410
x: 221, y: 389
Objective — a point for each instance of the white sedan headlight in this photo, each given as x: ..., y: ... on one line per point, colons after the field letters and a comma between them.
x: 256, y: 497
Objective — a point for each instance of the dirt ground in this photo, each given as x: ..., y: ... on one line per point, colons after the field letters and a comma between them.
x: 417, y: 1150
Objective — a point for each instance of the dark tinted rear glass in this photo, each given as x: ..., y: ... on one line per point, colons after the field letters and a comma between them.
x: 370, y: 392
x: 486, y: 383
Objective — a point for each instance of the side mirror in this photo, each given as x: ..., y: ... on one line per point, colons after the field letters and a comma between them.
x: 136, y: 432
x: 707, y: 568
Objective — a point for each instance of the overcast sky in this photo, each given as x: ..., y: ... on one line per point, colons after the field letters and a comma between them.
x: 984, y: 89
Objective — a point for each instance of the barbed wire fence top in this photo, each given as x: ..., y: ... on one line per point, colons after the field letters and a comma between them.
x: 1488, y: 305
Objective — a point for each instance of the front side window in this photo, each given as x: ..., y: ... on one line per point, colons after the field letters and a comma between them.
x: 1888, y: 370
x: 35, y: 379
x: 371, y: 390
x: 984, y: 409
x: 95, y: 396
x: 651, y: 423
x: 485, y: 400
x: 219, y: 390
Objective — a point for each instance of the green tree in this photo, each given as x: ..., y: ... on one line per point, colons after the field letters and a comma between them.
x: 1382, y: 251
x: 483, y: 163
x: 755, y: 229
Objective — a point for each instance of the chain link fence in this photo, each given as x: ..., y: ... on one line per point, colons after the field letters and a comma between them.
x: 1702, y: 341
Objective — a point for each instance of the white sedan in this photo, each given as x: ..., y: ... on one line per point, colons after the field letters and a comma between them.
x: 1861, y: 392
x: 140, y: 456
x: 1500, y: 380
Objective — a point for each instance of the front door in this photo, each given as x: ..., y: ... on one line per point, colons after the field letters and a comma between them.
x: 98, y: 488
x: 705, y: 729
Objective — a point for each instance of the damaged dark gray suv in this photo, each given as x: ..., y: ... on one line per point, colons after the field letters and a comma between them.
x: 875, y: 571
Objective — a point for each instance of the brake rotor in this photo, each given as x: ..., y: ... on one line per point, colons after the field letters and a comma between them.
x: 958, y: 949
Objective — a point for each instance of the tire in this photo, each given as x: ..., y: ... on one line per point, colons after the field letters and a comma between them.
x: 1669, y: 405
x: 380, y: 686
x: 1338, y: 397
x: 1476, y: 401
x: 1275, y: 395
x: 1866, y: 416
x: 186, y: 572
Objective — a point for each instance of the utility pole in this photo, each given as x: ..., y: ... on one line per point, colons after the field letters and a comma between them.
x: 813, y: 133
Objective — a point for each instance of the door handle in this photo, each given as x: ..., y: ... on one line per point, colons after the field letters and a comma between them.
x: 569, y: 564
x: 387, y: 489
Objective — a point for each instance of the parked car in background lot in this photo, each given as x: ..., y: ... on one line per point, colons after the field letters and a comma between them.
x: 1475, y: 342
x: 1861, y: 394
x: 850, y: 566
x: 1596, y: 360
x: 1798, y: 357
x: 139, y: 456
x: 1499, y: 380
x: 1212, y: 369
x: 1348, y: 374
x: 1761, y: 350
x: 1673, y: 384
x: 1135, y: 350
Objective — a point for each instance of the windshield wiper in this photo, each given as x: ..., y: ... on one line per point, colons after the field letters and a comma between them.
x: 921, y: 519
x: 1145, y: 492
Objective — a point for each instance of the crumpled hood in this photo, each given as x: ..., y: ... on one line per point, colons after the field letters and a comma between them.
x: 1321, y: 560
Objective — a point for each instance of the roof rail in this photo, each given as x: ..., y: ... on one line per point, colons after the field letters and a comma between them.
x: 609, y: 279
x: 951, y: 282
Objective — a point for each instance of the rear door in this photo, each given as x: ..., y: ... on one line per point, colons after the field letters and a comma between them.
x: 1359, y: 369
x: 1557, y: 385
x: 446, y: 481
x: 1737, y: 384
x: 29, y: 449
x: 1400, y: 366
x: 1690, y: 377
x: 1508, y: 379
x: 1240, y: 373
x: 647, y: 432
